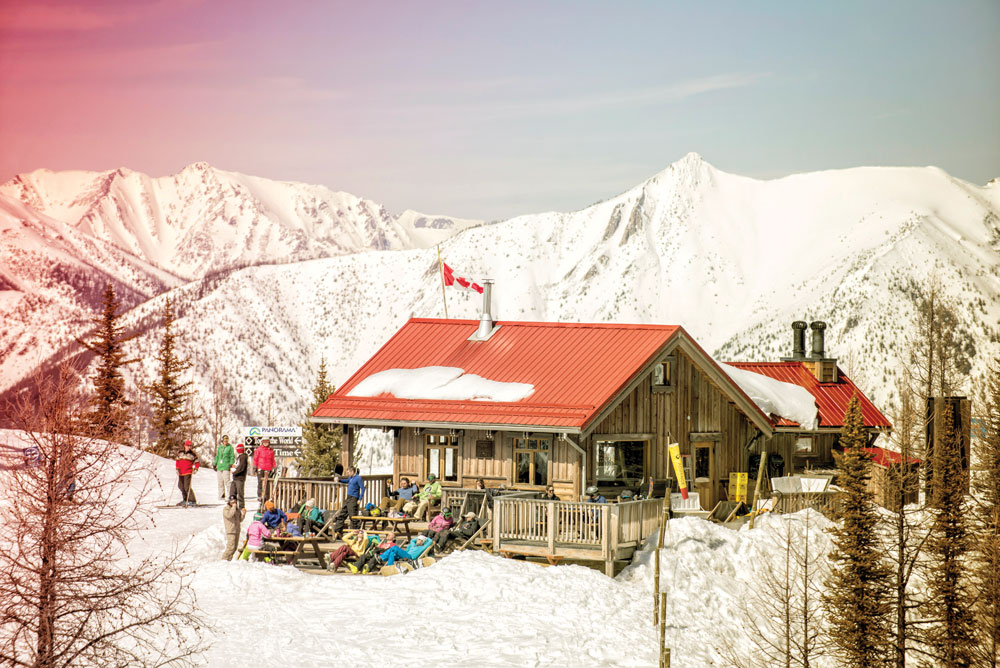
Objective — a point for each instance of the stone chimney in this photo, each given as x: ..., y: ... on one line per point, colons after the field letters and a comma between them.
x: 486, y: 327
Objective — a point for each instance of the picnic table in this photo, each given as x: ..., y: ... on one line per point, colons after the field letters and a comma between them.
x: 300, y: 543
x: 377, y: 521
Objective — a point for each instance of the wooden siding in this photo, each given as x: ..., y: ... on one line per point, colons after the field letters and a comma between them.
x: 692, y: 409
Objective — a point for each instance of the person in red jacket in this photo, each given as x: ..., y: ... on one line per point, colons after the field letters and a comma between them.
x: 186, y: 463
x: 263, y: 461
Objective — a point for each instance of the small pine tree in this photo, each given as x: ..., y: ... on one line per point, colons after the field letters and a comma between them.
x: 987, y: 519
x: 107, y: 414
x: 171, y: 417
x: 859, y: 586
x: 321, y: 442
x: 950, y: 636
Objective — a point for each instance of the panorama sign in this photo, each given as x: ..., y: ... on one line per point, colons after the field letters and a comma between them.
x: 285, y: 441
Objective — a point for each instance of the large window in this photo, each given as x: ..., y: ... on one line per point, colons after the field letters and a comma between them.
x: 621, y: 463
x: 441, y: 456
x: 531, y: 461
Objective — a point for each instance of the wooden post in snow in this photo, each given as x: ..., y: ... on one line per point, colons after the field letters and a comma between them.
x: 756, y: 488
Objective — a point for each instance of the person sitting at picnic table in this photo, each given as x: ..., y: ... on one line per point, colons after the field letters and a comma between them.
x: 385, y: 553
x: 465, y: 530
x: 356, y: 543
x: 399, y: 497
x: 626, y: 495
x: 273, y: 517
x: 594, y: 495
x: 310, y: 518
x: 550, y: 494
x: 429, y: 494
x: 441, y: 523
x: 256, y: 533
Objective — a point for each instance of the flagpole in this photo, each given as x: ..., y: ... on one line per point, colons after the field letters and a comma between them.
x: 444, y: 298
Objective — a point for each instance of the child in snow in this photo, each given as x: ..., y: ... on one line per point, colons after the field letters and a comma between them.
x: 256, y: 533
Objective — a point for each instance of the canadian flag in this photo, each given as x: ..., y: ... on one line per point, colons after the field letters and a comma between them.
x: 450, y: 279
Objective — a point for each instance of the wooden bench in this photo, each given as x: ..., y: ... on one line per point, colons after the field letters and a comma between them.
x: 273, y: 553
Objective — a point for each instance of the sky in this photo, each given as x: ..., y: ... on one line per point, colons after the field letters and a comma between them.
x: 493, y: 109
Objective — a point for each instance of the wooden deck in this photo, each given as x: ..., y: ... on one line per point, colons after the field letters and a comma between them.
x: 606, y: 532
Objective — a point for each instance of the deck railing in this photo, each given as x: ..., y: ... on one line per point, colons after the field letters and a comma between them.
x: 327, y: 493
x: 603, y: 527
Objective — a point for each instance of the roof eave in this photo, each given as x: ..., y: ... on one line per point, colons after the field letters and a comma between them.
x: 368, y: 422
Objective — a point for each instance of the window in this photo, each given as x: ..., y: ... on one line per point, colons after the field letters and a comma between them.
x: 804, y: 446
x: 663, y: 375
x: 621, y: 463
x: 441, y: 456
x: 531, y: 461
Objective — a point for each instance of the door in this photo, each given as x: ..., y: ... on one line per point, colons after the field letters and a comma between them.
x: 706, y: 479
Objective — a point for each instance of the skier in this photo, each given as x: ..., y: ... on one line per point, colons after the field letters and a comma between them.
x: 187, y: 463
x: 263, y: 461
x: 224, y: 457
x: 232, y: 517
x: 239, y: 473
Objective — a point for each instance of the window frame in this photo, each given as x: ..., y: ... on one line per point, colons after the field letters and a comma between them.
x: 623, y: 483
x: 532, y: 465
x: 437, y: 442
x: 667, y: 367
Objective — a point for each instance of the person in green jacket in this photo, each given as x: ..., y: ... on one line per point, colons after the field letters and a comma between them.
x: 224, y: 458
x: 431, y: 493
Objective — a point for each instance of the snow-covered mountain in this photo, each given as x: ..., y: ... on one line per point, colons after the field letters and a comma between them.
x: 732, y: 259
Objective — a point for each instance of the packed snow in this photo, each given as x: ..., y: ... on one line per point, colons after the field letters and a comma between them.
x: 472, y: 608
x: 439, y: 382
x: 776, y: 397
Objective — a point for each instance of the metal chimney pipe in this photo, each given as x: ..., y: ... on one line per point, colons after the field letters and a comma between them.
x: 799, y: 339
x: 486, y: 317
x: 818, y: 326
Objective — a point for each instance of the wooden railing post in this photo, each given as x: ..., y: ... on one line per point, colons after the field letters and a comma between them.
x: 550, y: 513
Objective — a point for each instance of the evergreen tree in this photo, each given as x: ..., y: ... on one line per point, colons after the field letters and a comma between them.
x: 950, y: 635
x: 987, y: 518
x: 107, y: 414
x: 171, y: 417
x: 858, y: 588
x: 321, y: 442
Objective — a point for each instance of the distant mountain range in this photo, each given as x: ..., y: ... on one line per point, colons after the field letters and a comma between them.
x: 271, y: 277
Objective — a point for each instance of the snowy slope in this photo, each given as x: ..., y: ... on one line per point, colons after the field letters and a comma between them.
x: 732, y: 259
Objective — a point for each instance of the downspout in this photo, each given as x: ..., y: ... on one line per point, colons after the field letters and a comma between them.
x: 583, y: 460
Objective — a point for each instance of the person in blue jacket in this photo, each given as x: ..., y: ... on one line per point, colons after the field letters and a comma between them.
x: 273, y: 516
x: 594, y: 496
x: 355, y: 492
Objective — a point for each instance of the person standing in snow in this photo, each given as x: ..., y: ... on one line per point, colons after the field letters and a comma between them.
x: 239, y: 473
x: 232, y: 517
x: 186, y: 464
x: 263, y: 461
x: 224, y: 457
x: 355, y: 492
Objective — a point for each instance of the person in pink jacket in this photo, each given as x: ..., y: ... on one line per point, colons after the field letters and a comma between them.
x: 441, y: 522
x: 263, y: 461
x: 256, y: 533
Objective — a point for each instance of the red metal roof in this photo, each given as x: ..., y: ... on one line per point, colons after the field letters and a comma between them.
x: 576, y: 369
x: 831, y: 398
x: 884, y: 457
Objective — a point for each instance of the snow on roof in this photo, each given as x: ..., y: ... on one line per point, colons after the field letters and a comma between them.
x: 439, y: 382
x: 776, y: 397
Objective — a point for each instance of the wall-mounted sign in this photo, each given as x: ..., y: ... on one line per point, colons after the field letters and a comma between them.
x: 484, y: 449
